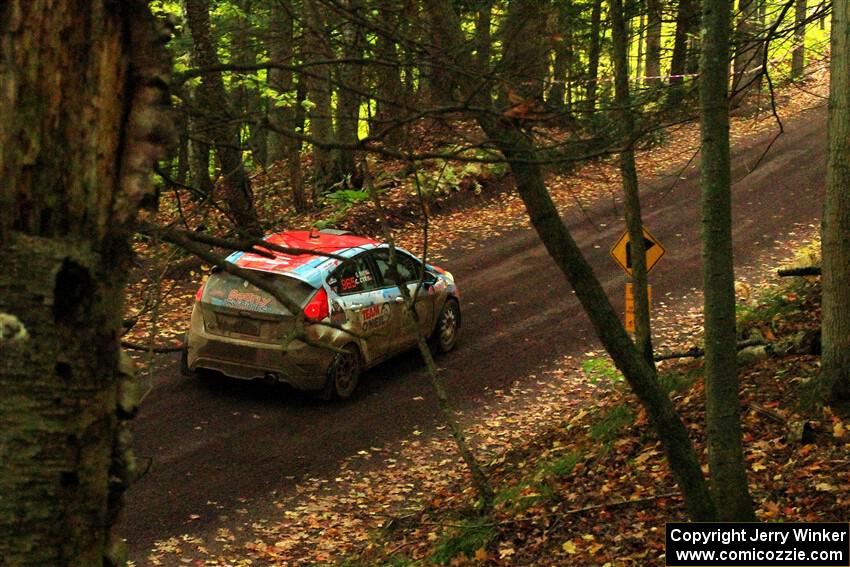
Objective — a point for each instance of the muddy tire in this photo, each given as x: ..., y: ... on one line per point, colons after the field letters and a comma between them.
x: 184, y: 361
x: 343, y: 373
x: 446, y: 331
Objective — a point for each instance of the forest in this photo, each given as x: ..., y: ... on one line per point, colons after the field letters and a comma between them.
x: 173, y: 168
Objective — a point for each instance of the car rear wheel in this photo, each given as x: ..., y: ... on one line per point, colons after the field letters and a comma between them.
x: 184, y: 360
x: 447, y: 329
x: 344, y: 372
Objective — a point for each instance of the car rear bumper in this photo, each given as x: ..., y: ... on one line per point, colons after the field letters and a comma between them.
x: 297, y: 364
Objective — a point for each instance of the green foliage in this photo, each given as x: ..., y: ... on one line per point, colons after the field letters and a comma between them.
x: 677, y: 381
x: 563, y: 465
x: 601, y: 370
x: 610, y: 425
x: 344, y: 199
x: 525, y: 494
x: 772, y: 304
x: 466, y: 538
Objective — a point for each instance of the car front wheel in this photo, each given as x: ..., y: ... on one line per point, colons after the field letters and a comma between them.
x: 447, y: 329
x: 344, y: 372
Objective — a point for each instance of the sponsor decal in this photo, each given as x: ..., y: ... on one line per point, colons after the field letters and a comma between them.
x: 338, y: 315
x: 248, y: 299
x: 375, y: 316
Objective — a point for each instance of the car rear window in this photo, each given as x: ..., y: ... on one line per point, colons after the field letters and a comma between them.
x: 228, y: 290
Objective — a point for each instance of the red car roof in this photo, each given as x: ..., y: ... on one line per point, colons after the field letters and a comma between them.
x: 300, y: 264
x: 320, y: 241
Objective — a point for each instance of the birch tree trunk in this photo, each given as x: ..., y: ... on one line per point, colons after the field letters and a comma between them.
x: 82, y: 100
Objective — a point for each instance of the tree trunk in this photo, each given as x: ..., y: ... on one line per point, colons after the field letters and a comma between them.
x: 748, y: 53
x: 798, y: 56
x: 283, y: 112
x: 199, y: 153
x: 686, y: 20
x: 723, y: 408
x: 834, y: 381
x: 216, y: 120
x: 593, y: 54
x: 653, y: 42
x: 317, y: 79
x: 630, y: 32
x: 522, y: 158
x: 390, y: 91
x: 525, y: 51
x: 562, y: 39
x: 628, y: 171
x: 482, y: 34
x: 246, y: 97
x: 348, y: 97
x: 75, y: 164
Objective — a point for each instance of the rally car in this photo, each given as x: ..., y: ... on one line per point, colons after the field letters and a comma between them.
x: 353, y: 306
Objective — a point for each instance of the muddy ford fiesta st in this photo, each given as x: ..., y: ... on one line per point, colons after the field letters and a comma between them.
x: 355, y: 306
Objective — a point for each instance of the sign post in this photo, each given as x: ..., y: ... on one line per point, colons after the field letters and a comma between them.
x: 630, y: 306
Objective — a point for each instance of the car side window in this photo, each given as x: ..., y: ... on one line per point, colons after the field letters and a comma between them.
x: 352, y: 277
x: 408, y: 267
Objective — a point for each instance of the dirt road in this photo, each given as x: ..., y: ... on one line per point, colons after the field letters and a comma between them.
x: 218, y: 450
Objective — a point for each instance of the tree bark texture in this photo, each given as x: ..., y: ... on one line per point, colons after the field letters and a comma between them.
x: 390, y: 90
x: 723, y: 408
x: 562, y: 37
x: 653, y: 42
x: 628, y: 172
x: 798, y: 55
x: 348, y: 97
x: 215, y: 120
x: 687, y: 20
x: 482, y: 34
x: 749, y: 50
x: 82, y: 102
x: 593, y: 54
x: 834, y: 379
x: 519, y: 152
x: 284, y: 116
x: 246, y: 96
x: 524, y: 65
x: 318, y: 82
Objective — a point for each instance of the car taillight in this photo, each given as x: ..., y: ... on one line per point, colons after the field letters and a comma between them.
x: 317, y: 308
x: 200, y: 292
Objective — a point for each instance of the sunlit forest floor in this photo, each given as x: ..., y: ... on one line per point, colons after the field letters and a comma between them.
x: 580, y: 477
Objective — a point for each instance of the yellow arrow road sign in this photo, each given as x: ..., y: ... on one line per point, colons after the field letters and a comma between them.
x: 622, y: 251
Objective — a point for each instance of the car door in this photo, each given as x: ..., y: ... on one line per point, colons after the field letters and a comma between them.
x: 358, y: 304
x: 409, y: 271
